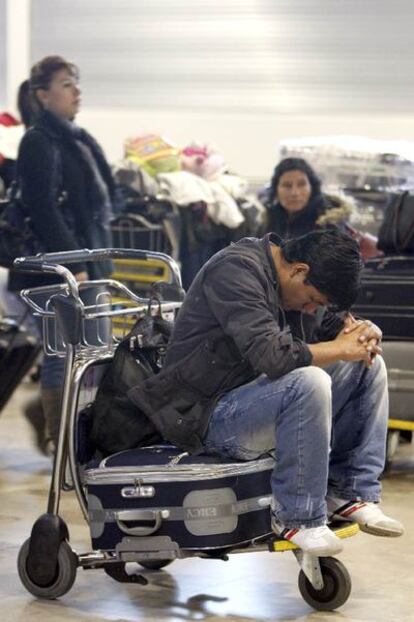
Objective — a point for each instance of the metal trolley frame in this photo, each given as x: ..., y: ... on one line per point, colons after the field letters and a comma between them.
x: 47, y: 564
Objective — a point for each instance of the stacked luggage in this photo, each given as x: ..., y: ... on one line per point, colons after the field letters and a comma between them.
x: 188, y: 194
x: 364, y: 168
x: 387, y: 298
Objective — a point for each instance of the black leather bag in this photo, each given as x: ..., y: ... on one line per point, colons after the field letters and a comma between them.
x: 117, y: 424
x: 396, y: 234
x: 17, y: 238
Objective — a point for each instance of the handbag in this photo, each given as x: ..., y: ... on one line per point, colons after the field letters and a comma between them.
x: 396, y: 234
x: 17, y: 238
x: 116, y: 423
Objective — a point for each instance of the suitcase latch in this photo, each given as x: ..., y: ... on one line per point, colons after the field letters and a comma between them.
x: 138, y: 491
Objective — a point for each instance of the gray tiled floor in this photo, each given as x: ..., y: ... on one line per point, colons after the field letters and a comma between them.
x: 249, y: 587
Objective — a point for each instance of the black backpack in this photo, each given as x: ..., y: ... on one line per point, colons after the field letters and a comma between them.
x: 116, y: 423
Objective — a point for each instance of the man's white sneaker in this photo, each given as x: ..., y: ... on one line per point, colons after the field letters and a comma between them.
x: 317, y: 541
x: 369, y: 516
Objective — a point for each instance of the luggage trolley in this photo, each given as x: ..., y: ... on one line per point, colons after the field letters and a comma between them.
x: 150, y: 505
x: 135, y: 231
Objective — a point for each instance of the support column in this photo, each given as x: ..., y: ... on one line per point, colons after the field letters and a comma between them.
x: 17, y: 48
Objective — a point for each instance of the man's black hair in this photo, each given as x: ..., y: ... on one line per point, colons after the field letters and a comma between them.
x: 294, y: 164
x: 334, y: 264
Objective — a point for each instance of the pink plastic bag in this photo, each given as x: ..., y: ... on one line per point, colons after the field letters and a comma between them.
x: 202, y: 161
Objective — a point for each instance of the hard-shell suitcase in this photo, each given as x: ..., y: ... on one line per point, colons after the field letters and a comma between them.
x: 18, y: 352
x: 194, y: 501
x: 387, y: 295
x: 399, y: 359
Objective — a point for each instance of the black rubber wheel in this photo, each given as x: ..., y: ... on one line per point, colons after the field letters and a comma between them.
x: 336, y: 589
x: 155, y: 564
x: 65, y: 574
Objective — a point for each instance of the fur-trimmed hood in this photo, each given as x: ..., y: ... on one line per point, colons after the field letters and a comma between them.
x: 323, y: 210
x: 339, y: 209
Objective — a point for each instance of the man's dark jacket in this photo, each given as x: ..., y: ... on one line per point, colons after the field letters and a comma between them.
x: 229, y: 330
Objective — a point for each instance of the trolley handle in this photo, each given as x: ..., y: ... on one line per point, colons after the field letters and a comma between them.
x: 35, y: 263
x: 31, y: 264
x: 136, y: 516
x: 52, y: 262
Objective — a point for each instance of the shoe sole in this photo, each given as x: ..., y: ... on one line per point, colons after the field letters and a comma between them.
x: 371, y: 529
x: 380, y: 531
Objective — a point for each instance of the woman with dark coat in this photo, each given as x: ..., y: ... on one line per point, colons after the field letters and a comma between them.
x: 296, y: 204
x: 67, y: 190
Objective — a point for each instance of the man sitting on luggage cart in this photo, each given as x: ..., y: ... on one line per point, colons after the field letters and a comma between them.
x: 259, y: 362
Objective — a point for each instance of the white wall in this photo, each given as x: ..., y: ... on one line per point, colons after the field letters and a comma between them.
x: 17, y: 56
x: 248, y: 142
x: 290, y: 68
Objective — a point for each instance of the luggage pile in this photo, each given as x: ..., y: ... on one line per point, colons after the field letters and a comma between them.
x: 356, y: 161
x: 190, y: 195
x: 365, y: 168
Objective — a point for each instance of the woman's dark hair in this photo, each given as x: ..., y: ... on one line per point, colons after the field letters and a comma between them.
x: 294, y: 164
x: 26, y: 104
x: 334, y: 263
x: 41, y: 74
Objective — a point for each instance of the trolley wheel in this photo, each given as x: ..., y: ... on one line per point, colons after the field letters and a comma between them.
x: 336, y: 588
x: 67, y: 564
x: 155, y: 564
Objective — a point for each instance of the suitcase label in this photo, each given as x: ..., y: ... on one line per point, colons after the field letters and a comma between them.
x: 209, y: 512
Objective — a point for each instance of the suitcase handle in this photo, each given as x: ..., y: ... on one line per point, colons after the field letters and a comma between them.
x: 140, y: 515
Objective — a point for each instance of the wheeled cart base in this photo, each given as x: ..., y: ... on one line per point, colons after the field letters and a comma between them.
x: 324, y: 582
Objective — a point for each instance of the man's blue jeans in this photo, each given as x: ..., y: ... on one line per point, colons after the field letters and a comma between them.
x: 328, y: 429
